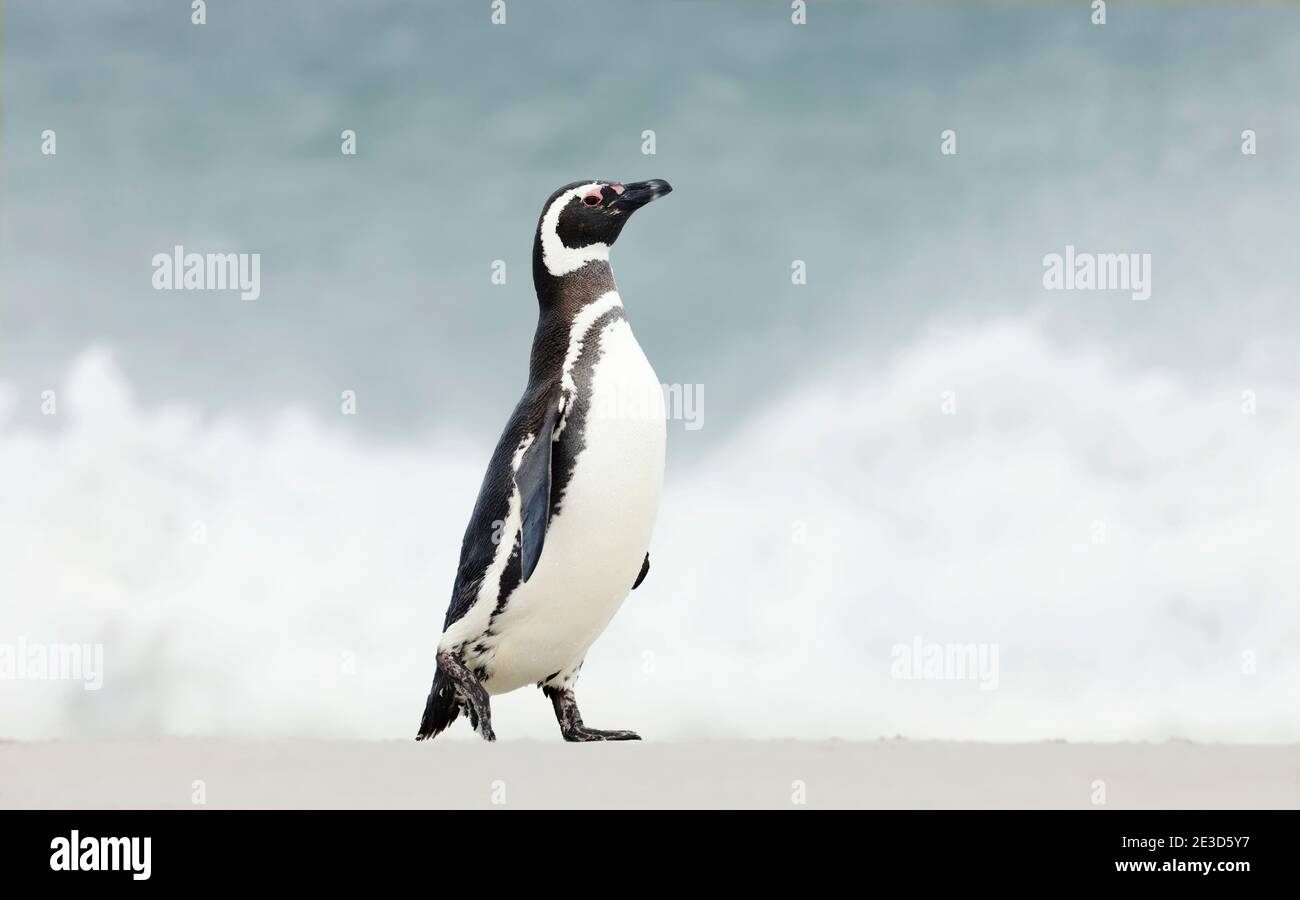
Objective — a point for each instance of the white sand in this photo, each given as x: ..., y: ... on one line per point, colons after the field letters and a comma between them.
x: 532, y: 774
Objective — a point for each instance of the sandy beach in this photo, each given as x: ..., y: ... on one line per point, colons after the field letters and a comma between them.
x: 890, y: 774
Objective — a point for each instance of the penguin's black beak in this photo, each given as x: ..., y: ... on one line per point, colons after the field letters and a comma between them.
x: 638, y: 194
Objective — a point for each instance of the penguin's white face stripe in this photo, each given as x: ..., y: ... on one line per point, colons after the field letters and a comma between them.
x: 559, y: 259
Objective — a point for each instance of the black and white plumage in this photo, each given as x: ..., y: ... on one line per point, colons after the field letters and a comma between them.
x: 560, y: 532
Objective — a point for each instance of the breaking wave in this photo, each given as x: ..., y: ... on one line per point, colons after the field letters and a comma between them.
x: 1124, y: 539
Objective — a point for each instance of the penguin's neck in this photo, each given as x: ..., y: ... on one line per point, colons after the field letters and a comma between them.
x: 566, y: 294
x: 561, y: 300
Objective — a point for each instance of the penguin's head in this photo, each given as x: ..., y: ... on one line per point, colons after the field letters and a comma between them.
x: 581, y: 221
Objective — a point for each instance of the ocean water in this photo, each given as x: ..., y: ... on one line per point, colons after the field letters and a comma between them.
x: 919, y: 442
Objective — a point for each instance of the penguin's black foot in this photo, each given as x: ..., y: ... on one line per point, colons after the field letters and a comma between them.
x: 571, y: 727
x: 473, y: 693
x: 582, y: 733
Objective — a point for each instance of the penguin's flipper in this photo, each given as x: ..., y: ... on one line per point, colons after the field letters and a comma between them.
x: 534, y: 480
x: 645, y: 570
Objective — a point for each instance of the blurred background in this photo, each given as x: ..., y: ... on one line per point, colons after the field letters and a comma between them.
x: 920, y: 443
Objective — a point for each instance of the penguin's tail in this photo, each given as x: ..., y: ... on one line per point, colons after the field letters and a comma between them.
x: 442, y: 707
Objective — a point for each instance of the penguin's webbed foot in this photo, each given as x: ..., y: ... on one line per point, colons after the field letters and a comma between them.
x: 582, y: 733
x: 571, y: 727
x: 472, y: 691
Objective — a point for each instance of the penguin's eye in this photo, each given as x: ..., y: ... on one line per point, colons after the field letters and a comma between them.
x: 592, y: 199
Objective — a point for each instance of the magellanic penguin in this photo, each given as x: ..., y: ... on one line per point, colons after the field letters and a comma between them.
x: 560, y: 533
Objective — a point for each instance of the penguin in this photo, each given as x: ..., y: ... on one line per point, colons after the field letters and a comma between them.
x: 560, y: 533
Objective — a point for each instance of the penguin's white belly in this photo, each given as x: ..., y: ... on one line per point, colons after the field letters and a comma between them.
x: 597, y: 542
